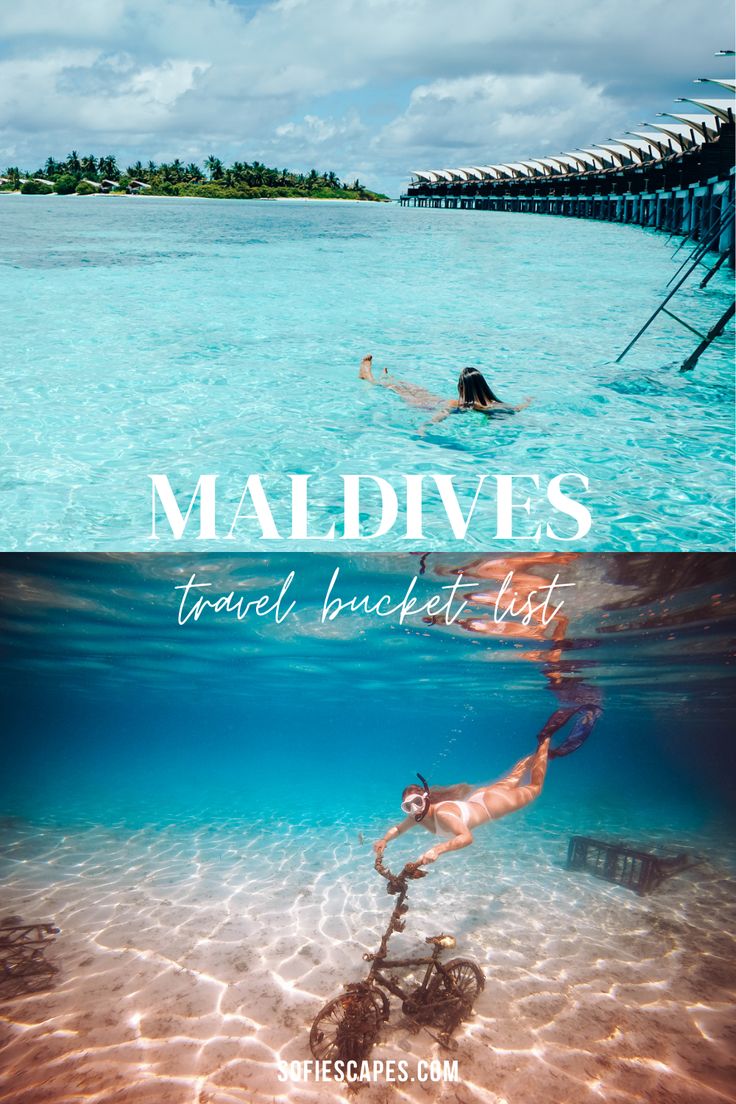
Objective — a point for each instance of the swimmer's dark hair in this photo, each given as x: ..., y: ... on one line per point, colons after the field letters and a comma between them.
x: 473, y: 388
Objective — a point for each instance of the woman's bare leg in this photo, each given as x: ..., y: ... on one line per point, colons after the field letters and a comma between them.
x: 502, y: 798
x: 410, y: 392
x: 365, y: 371
x: 538, y: 774
x: 516, y: 773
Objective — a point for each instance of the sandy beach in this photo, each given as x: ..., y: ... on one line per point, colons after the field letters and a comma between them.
x: 192, y: 958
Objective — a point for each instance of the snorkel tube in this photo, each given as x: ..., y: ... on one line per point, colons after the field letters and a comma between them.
x: 425, y: 810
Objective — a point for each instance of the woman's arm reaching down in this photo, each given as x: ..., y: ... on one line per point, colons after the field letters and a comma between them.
x: 453, y: 826
x: 397, y: 830
x: 462, y: 839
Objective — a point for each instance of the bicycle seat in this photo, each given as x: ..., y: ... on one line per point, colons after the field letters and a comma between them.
x: 442, y: 940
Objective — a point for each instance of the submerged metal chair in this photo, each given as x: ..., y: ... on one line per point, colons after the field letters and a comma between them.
x: 621, y: 864
x: 23, y: 965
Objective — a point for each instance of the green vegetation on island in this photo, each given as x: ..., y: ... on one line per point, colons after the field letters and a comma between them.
x: 241, y: 180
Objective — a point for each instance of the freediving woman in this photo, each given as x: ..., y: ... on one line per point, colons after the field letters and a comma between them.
x: 455, y: 811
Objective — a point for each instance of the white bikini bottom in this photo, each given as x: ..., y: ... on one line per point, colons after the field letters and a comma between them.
x: 464, y: 808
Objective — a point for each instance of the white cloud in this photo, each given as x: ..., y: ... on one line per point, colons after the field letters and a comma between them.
x: 336, y: 144
x: 472, y: 119
x: 175, y: 76
x: 314, y: 130
x: 91, y: 92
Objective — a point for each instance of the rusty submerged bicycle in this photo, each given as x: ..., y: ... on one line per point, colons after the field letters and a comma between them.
x: 347, y: 1027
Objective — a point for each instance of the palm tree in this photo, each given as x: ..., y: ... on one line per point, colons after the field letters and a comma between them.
x: 214, y: 167
x: 107, y: 167
x: 239, y: 174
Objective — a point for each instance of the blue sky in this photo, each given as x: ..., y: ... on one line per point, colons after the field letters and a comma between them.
x: 367, y: 88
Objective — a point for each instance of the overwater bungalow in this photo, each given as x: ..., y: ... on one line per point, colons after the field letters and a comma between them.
x: 676, y: 173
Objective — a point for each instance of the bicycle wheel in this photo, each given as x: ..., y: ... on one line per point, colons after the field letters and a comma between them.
x: 467, y: 978
x: 380, y: 1000
x: 346, y: 1028
x: 452, y: 994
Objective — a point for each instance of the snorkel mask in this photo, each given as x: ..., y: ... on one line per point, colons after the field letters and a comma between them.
x: 417, y: 805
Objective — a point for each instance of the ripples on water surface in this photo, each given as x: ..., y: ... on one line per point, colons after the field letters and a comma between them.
x: 204, y: 336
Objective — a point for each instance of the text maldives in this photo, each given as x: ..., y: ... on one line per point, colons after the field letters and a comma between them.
x: 283, y: 508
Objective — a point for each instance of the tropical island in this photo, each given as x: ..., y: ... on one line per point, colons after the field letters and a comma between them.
x: 242, y: 180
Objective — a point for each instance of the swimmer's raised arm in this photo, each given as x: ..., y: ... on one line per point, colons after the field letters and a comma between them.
x: 397, y: 830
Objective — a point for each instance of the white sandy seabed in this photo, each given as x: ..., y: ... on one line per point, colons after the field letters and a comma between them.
x: 191, y: 958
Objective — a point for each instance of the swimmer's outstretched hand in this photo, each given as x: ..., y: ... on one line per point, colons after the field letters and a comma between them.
x: 428, y: 857
x: 379, y: 847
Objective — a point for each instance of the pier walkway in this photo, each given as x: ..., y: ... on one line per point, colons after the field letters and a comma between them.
x: 677, y: 175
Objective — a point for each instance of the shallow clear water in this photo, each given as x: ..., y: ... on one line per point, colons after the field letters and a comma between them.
x: 202, y: 336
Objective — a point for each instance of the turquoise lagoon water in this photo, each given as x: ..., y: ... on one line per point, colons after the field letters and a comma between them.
x: 115, y: 710
x: 194, y: 336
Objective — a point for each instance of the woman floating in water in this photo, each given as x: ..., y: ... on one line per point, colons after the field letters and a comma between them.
x: 473, y: 392
x: 454, y: 811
